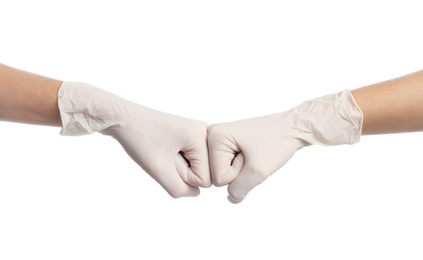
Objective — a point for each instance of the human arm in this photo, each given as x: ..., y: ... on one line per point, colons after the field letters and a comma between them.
x: 28, y: 98
x: 244, y: 153
x: 171, y: 149
x: 393, y: 106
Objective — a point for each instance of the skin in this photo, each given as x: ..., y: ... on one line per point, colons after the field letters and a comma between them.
x: 28, y: 98
x: 33, y: 99
x: 393, y: 106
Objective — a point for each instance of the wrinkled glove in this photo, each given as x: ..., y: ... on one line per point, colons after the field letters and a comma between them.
x: 172, y: 149
x: 244, y: 153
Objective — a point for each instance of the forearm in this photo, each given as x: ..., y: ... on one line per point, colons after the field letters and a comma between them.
x: 28, y: 98
x: 392, y: 106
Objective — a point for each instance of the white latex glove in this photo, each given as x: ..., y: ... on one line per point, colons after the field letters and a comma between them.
x: 244, y: 153
x: 162, y: 144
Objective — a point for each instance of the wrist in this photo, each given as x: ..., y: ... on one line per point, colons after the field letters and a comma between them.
x: 85, y: 109
x: 329, y: 120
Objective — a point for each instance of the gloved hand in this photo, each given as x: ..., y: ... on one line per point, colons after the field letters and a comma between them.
x: 244, y: 153
x: 172, y: 149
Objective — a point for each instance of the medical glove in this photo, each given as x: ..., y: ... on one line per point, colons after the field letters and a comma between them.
x: 172, y: 149
x: 244, y: 153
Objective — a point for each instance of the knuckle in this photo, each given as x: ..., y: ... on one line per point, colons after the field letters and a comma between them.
x: 218, y: 182
x: 199, y: 180
x: 215, y: 130
x: 198, y: 131
x: 206, y: 183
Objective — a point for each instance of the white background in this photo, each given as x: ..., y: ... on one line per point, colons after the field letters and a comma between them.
x: 83, y: 198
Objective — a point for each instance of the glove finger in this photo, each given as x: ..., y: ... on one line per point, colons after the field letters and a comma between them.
x: 187, y: 175
x: 196, y: 153
x: 249, y: 178
x: 233, y: 171
x: 223, y: 152
x: 169, y: 178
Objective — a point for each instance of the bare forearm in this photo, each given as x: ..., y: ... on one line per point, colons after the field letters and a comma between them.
x: 392, y: 106
x: 28, y: 98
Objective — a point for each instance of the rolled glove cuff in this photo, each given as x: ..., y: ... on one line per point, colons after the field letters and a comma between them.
x: 329, y: 120
x: 85, y: 109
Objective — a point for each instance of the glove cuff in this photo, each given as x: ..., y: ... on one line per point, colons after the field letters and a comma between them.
x: 85, y: 109
x: 329, y: 120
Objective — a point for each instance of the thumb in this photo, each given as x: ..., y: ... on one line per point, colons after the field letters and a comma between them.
x: 248, y: 178
x: 169, y: 178
x: 188, y: 175
x: 233, y: 170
